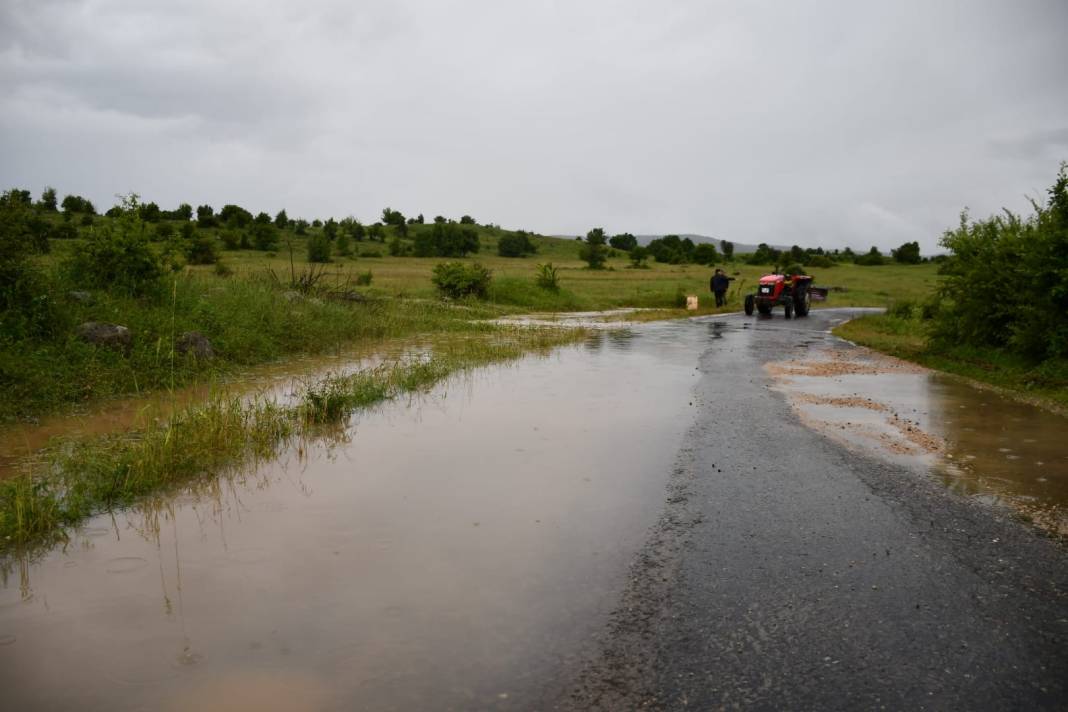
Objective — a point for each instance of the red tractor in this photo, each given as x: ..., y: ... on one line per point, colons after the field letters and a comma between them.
x: 794, y: 292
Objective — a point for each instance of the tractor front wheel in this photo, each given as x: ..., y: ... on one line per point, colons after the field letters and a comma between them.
x: 788, y: 309
x: 749, y: 304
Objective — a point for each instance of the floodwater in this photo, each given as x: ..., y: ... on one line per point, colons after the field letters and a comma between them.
x: 277, y: 381
x: 453, y: 551
x: 979, y: 443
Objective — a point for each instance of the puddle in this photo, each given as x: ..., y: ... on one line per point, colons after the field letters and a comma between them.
x: 977, y: 442
x: 452, y: 551
x: 606, y: 319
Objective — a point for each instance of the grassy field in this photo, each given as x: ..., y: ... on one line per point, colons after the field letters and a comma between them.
x: 1045, y: 384
x: 251, y: 314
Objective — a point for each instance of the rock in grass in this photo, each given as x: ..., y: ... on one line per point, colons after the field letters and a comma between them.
x: 109, y: 335
x: 196, y: 344
x: 80, y: 296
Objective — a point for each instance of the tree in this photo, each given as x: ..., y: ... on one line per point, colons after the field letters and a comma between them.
x: 264, y: 236
x: 392, y: 217
x: 342, y: 245
x: 798, y: 255
x: 671, y: 249
x: 319, y: 248
x: 872, y: 258
x: 908, y: 253
x: 48, y: 200
x: 206, y: 216
x: 72, y: 204
x: 517, y: 244
x: 705, y: 254
x: 728, y: 249
x: 281, y: 220
x: 638, y: 257
x: 330, y: 229
x: 184, y: 212
x: 446, y: 240
x: 594, y: 251
x: 150, y: 212
x: 624, y: 241
x: 235, y: 216
x: 419, y: 219
x: 467, y: 220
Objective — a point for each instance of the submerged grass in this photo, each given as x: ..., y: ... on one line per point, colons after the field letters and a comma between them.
x: 98, y: 474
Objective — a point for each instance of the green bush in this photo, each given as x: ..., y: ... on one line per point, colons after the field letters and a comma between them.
x: 231, y: 239
x: 1006, y: 281
x: 821, y: 261
x: 902, y: 309
x: 27, y: 307
x: 264, y: 236
x: 446, y: 240
x: 319, y: 248
x: 117, y: 257
x: 516, y: 244
x: 593, y: 251
x: 202, y: 250
x: 547, y: 277
x: 363, y: 279
x: 456, y: 279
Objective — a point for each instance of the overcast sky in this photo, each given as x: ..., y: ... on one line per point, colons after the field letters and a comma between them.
x: 833, y: 123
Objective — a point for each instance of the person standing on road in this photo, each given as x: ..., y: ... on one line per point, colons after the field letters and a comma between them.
x: 718, y: 284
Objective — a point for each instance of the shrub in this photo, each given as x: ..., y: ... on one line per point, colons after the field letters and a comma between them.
x: 705, y: 254
x: 446, y: 240
x: 319, y: 248
x: 164, y: 231
x: 547, y: 277
x: 1006, y: 281
x: 903, y: 309
x: 456, y: 279
x: 873, y: 258
x: 117, y: 257
x: 624, y: 241
x: 820, y: 261
x: 222, y: 269
x: 593, y: 252
x: 516, y: 244
x: 264, y: 236
x: 26, y: 305
x: 202, y: 250
x: 342, y: 244
x: 363, y: 279
x: 638, y: 258
x: 231, y: 239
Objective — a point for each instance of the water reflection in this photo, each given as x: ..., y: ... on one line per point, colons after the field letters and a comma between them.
x: 441, y: 551
x: 977, y: 442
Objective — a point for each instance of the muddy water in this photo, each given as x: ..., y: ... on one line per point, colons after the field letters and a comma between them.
x: 277, y: 381
x: 976, y: 441
x: 451, y: 552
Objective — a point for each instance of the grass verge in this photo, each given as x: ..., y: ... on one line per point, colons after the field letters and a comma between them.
x: 82, y: 478
x: 1045, y: 383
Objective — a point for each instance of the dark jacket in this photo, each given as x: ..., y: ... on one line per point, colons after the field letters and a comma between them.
x: 719, y: 283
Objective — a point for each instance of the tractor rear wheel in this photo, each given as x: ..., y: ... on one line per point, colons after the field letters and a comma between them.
x: 804, y: 303
x: 749, y: 303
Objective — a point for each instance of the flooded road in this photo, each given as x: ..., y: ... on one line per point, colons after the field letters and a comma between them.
x: 713, y: 512
x: 978, y: 442
x: 455, y: 551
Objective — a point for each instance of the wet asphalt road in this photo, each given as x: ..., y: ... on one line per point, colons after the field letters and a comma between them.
x: 789, y: 573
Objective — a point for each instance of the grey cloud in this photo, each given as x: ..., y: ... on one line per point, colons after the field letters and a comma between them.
x: 815, y: 123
